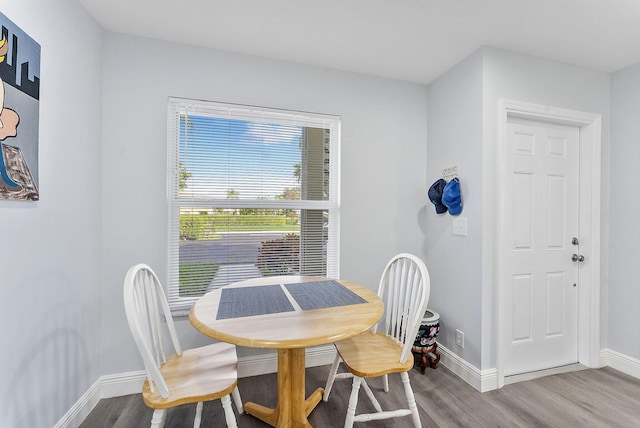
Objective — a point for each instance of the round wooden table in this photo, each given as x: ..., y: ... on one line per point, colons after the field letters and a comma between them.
x: 290, y: 333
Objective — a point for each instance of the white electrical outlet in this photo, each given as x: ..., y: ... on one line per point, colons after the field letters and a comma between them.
x: 459, y: 226
x: 459, y: 338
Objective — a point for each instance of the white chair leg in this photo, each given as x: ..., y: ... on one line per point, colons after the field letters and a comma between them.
x: 411, y: 400
x: 372, y: 397
x: 157, y: 420
x: 229, y: 416
x: 385, y: 382
x: 198, y: 418
x: 353, y: 402
x: 331, y: 378
x: 237, y: 400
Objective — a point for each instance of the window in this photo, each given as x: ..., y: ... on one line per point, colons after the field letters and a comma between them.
x: 252, y: 192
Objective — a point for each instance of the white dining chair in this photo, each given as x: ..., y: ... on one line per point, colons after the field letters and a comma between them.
x: 386, y: 348
x: 179, y: 376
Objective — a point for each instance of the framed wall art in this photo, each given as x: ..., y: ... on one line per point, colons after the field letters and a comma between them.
x: 19, y: 113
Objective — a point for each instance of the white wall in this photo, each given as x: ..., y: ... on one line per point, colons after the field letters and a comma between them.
x: 624, y: 269
x: 455, y: 262
x: 50, y: 252
x: 520, y: 77
x: 463, y: 117
x: 383, y: 159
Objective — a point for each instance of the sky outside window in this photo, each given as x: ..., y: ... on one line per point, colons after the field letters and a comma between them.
x: 250, y: 159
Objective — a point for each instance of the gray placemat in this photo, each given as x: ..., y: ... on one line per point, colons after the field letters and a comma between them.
x: 322, y: 294
x: 249, y: 301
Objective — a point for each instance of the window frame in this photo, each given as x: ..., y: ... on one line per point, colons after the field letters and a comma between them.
x: 176, y: 107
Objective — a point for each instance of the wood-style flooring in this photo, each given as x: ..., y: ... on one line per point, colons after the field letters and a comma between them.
x: 588, y: 398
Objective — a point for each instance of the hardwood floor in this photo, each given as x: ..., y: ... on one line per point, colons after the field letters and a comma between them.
x: 587, y: 398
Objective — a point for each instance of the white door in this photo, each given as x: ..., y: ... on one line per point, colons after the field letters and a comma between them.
x: 541, y: 207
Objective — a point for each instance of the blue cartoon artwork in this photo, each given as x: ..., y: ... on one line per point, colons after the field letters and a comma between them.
x: 19, y: 105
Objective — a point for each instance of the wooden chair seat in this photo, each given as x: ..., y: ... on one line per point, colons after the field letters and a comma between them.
x: 373, y: 354
x: 199, y: 374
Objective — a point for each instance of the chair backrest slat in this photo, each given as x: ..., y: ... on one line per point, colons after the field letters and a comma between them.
x: 145, y: 303
x: 153, y: 314
x: 405, y: 287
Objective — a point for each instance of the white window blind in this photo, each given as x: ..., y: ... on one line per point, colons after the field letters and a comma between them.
x: 252, y: 192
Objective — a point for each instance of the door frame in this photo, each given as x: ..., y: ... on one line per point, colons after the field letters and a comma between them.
x: 590, y: 127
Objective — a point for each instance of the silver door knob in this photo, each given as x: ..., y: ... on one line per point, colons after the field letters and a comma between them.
x: 577, y: 258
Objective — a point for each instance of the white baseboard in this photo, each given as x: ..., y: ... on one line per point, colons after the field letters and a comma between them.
x: 481, y: 380
x: 122, y: 384
x: 131, y: 383
x: 320, y: 355
x: 487, y: 380
x: 620, y: 362
x: 81, y: 409
x: 268, y: 363
x: 105, y: 387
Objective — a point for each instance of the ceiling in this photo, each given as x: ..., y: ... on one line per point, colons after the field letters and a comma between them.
x: 412, y: 40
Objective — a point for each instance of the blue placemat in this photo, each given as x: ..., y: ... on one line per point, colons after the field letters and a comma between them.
x: 249, y: 301
x: 322, y: 294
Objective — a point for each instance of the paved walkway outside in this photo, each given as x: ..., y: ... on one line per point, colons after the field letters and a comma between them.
x: 233, y: 273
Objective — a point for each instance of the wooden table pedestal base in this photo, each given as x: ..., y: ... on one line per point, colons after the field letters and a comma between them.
x: 292, y: 408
